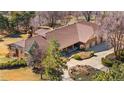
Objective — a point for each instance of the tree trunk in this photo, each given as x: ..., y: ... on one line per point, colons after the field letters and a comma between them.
x: 41, y: 77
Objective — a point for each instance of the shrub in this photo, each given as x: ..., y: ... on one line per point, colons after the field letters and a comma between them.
x: 77, y: 57
x: 110, y: 59
x: 121, y: 56
x: 13, y: 64
x: 115, y: 73
x: 107, y: 62
x: 64, y: 59
x: 92, y: 53
x: 110, y: 56
x: 82, y: 49
x: 85, y: 55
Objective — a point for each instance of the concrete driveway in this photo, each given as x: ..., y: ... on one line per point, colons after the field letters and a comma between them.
x: 94, y: 61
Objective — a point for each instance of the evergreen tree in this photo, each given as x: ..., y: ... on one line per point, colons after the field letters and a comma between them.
x: 3, y: 23
x: 53, y: 64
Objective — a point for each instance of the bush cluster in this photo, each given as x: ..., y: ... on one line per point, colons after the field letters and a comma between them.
x: 13, y: 64
x: 110, y: 60
x: 83, y: 55
x: 107, y: 62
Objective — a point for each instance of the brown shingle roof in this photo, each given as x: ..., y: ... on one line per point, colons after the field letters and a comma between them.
x: 42, y: 32
x: 19, y: 43
x: 85, y: 32
x: 42, y: 42
x: 65, y: 36
x: 69, y: 35
x: 95, y: 26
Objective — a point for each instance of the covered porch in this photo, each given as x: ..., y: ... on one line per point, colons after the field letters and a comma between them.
x: 73, y: 49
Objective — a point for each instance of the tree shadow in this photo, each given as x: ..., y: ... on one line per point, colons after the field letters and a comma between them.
x: 14, y: 35
x: 100, y: 47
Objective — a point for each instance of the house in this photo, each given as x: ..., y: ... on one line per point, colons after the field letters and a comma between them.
x: 70, y: 38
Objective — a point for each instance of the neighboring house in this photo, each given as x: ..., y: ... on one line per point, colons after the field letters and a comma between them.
x: 70, y: 38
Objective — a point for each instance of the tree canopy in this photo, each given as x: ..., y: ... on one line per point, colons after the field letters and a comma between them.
x: 116, y: 73
x: 3, y: 23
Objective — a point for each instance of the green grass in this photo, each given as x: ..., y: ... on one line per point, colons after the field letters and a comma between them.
x: 4, y: 59
x: 8, y: 40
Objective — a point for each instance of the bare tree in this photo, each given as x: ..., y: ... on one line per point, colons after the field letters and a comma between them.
x: 87, y: 15
x: 113, y: 26
x: 35, y: 58
x: 52, y: 17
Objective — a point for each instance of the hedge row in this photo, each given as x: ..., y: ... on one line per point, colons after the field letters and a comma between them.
x: 13, y: 64
x: 109, y: 62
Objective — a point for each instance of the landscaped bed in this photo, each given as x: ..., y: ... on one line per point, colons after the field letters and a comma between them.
x: 83, y: 55
x: 84, y: 72
x: 111, y: 59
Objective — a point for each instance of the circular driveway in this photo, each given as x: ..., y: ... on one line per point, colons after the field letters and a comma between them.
x: 94, y: 61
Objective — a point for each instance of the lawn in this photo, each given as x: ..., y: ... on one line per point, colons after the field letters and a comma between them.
x: 14, y: 74
x: 8, y: 40
x: 22, y: 74
x: 4, y: 48
x: 4, y: 59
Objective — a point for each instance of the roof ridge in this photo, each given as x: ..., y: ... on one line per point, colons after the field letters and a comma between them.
x: 78, y: 31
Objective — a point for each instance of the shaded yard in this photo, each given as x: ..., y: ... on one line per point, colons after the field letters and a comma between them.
x: 100, y: 47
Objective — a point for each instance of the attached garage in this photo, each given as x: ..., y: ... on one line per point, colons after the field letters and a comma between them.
x: 87, y: 45
x: 99, y: 40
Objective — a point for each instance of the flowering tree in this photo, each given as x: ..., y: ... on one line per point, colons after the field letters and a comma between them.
x: 112, y: 24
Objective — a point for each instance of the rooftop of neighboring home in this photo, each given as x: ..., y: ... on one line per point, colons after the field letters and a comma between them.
x: 19, y: 43
x: 42, y: 32
x: 65, y: 36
